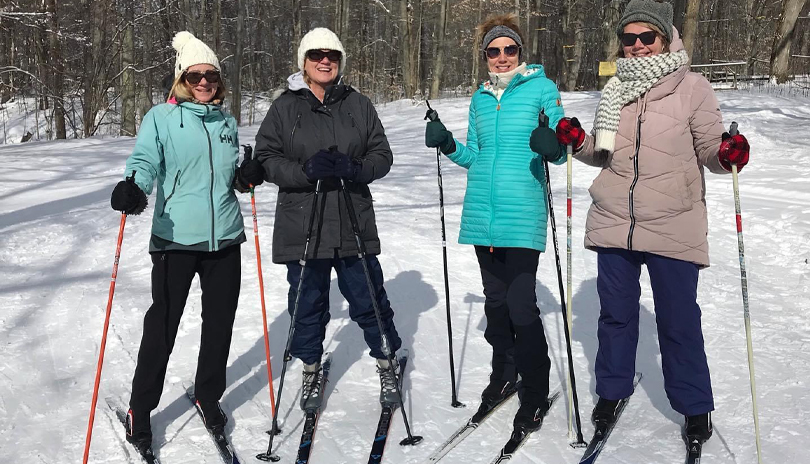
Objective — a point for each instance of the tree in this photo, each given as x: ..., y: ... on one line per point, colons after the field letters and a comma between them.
x: 690, y: 26
x: 786, y: 28
x: 438, y: 49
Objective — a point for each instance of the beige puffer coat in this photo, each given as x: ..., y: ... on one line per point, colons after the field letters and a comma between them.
x: 650, y: 195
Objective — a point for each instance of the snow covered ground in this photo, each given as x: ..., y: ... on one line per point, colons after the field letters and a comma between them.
x: 57, y: 240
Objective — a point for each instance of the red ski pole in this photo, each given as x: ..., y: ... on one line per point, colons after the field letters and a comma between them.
x: 248, y: 155
x: 104, y: 338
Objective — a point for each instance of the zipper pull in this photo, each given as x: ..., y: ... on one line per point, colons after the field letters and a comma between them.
x: 498, y: 108
x: 491, y: 250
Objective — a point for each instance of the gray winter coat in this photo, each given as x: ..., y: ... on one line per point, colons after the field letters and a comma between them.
x: 296, y: 127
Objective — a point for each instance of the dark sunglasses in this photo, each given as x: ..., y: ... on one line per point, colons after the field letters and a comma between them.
x: 194, y: 77
x: 629, y: 39
x: 317, y: 55
x: 509, y: 50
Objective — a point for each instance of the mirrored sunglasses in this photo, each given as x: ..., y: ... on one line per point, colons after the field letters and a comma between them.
x: 194, y: 77
x: 509, y: 50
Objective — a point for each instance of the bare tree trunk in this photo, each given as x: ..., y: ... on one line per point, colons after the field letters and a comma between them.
x: 578, y: 49
x: 58, y: 72
x: 296, y: 4
x: 218, y: 28
x: 128, y: 76
x: 780, y: 55
x: 405, y: 40
x: 609, y: 38
x: 236, y: 80
x: 92, y: 70
x: 476, y: 53
x: 438, y: 50
x: 690, y: 26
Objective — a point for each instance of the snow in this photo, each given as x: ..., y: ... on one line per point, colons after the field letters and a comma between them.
x: 57, y: 242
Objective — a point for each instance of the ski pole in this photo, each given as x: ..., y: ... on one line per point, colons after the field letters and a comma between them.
x: 543, y: 122
x: 104, y: 332
x: 744, y: 281
x: 268, y: 455
x: 433, y: 115
x: 248, y: 156
x: 568, y: 276
x: 386, y: 346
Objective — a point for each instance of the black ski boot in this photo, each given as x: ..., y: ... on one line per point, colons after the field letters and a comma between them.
x: 496, y: 391
x: 139, y: 431
x: 530, y: 416
x: 698, y: 428
x: 604, y: 414
x: 213, y: 416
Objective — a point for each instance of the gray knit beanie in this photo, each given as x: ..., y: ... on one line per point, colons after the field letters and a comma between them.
x: 656, y: 13
x: 500, y: 31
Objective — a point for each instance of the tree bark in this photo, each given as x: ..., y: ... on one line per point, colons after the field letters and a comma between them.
x: 609, y: 37
x: 438, y: 50
x: 128, y: 76
x: 236, y: 79
x: 405, y: 52
x: 58, y: 76
x: 780, y: 54
x: 690, y: 26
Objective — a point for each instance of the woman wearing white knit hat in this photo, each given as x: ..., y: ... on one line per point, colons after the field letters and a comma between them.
x: 319, y: 131
x: 189, y: 147
x: 658, y: 127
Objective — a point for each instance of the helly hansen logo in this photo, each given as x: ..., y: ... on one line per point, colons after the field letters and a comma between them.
x: 225, y: 138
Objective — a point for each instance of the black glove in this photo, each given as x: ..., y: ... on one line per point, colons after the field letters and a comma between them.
x: 128, y: 198
x: 436, y: 135
x: 345, y: 167
x: 250, y: 172
x: 543, y: 141
x: 321, y: 165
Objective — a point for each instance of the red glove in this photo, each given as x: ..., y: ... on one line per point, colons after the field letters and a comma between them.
x: 733, y: 150
x: 570, y: 132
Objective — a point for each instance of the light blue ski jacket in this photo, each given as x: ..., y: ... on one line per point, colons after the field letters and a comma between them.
x: 505, y: 201
x: 190, y: 150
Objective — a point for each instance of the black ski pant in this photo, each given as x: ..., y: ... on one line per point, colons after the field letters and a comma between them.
x: 172, y: 274
x: 514, y: 327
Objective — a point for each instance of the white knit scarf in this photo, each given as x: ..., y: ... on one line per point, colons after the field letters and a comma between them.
x: 634, y: 76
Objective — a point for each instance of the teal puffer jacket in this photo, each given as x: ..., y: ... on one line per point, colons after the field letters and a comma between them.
x: 505, y: 202
x: 191, y: 151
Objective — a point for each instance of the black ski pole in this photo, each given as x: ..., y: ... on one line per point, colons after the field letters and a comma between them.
x: 269, y: 456
x: 433, y: 115
x: 580, y: 441
x: 386, y: 346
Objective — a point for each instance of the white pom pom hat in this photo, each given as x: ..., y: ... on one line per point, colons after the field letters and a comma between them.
x: 318, y: 39
x: 191, y: 51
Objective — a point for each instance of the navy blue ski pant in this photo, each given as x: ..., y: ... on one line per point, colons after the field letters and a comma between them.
x: 677, y: 315
x: 313, y: 307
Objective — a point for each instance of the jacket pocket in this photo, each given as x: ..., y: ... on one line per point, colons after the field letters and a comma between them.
x: 171, y: 194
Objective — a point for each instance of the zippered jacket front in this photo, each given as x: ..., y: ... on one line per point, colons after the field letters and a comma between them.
x: 650, y: 194
x: 190, y: 151
x: 505, y: 201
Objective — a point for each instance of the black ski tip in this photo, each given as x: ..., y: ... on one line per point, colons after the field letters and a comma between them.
x: 458, y: 404
x: 411, y: 441
x: 268, y: 457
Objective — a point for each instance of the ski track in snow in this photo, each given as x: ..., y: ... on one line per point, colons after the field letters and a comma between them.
x: 57, y: 241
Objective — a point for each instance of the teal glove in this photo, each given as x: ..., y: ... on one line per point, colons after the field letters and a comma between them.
x: 436, y: 135
x: 543, y: 141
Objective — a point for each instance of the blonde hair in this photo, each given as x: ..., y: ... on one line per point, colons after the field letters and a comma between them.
x: 181, y: 90
x: 664, y: 42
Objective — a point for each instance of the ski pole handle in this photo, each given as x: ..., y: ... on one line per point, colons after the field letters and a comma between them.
x: 431, y: 114
x: 542, y: 118
x: 732, y: 130
x: 248, y: 151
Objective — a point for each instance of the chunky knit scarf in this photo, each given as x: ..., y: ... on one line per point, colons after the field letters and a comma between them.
x: 634, y: 76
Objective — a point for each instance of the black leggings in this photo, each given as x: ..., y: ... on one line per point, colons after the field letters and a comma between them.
x: 514, y: 327
x: 172, y: 274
